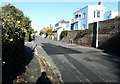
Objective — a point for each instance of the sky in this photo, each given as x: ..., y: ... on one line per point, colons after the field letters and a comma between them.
x: 45, y: 13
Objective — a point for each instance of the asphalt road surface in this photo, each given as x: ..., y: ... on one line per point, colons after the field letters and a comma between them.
x: 80, y: 64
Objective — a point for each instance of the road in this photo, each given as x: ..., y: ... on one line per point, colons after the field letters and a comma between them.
x: 78, y: 63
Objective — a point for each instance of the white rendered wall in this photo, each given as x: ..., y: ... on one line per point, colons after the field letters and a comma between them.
x: 91, y: 9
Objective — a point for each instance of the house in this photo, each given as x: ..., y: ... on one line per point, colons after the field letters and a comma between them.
x: 59, y: 27
x: 86, y: 15
x: 110, y: 15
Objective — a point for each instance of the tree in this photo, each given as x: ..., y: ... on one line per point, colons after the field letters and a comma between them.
x: 10, y: 19
x: 14, y: 25
x: 49, y: 32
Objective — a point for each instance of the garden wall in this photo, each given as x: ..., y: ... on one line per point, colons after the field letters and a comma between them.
x: 109, y: 34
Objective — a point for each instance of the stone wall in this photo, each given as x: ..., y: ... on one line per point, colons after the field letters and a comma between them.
x: 85, y: 41
x: 70, y: 37
x: 109, y: 34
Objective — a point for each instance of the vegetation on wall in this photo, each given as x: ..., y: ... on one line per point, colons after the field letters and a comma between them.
x: 63, y: 34
x: 81, y: 33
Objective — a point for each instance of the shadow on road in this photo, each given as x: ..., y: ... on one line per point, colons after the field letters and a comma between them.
x: 113, y: 54
x: 52, y: 49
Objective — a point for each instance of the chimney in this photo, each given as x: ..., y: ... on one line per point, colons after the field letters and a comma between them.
x: 100, y: 3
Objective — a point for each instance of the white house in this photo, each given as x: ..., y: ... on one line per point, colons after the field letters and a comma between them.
x: 59, y: 27
x: 86, y: 15
x: 110, y: 15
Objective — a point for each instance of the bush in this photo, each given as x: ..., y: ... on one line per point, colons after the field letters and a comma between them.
x: 63, y: 34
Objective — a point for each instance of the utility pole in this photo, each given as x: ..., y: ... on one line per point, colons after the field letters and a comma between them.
x: 97, y: 34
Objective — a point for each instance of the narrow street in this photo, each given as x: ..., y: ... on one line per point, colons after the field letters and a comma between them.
x: 75, y: 63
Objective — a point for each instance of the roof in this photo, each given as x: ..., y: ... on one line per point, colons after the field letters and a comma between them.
x: 61, y: 21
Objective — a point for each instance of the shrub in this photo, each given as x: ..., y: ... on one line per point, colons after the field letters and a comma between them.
x: 63, y: 34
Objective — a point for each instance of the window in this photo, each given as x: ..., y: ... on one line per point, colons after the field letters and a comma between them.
x: 94, y: 14
x: 79, y: 16
x: 76, y: 16
x: 83, y: 25
x: 76, y: 26
x: 83, y: 15
x: 98, y: 14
